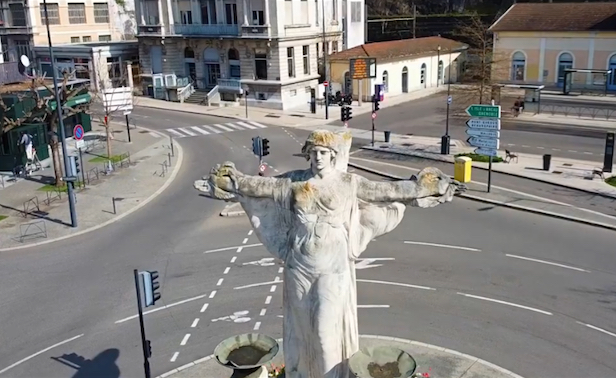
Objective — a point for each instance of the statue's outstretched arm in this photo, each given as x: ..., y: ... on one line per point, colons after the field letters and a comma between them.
x: 430, y: 183
x: 227, y: 178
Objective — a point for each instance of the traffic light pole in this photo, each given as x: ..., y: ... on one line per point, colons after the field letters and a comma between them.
x: 373, y: 123
x: 146, y: 362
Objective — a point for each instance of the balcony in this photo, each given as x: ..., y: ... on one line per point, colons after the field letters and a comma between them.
x: 206, y: 29
x: 255, y: 31
x: 9, y: 73
x: 149, y: 30
x: 230, y: 85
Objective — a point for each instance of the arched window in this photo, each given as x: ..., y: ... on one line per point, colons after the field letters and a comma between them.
x: 233, y: 54
x: 348, y: 83
x: 422, y: 79
x: 234, y: 63
x: 565, y: 61
x: 405, y: 80
x: 189, y: 53
x: 385, y: 81
x: 611, y: 78
x: 439, y: 78
x: 518, y: 66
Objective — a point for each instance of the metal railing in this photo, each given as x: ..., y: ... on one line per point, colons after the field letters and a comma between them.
x: 210, y: 95
x: 206, y: 29
x: 588, y: 112
x: 230, y: 83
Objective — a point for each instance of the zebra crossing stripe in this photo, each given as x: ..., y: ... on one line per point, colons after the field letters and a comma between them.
x: 257, y: 124
x: 197, y: 129
x: 246, y: 125
x: 223, y: 127
x: 176, y: 133
x: 185, y: 130
x: 215, y: 131
x: 234, y: 126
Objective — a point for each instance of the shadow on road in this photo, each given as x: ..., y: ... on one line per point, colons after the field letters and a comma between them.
x: 102, y: 366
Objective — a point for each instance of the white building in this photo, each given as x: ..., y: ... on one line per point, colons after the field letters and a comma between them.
x: 268, y: 47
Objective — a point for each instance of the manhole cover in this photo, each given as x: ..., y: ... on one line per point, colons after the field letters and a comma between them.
x: 272, y: 116
x: 297, y: 115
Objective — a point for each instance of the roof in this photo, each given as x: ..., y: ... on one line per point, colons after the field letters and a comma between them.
x: 556, y: 17
x: 400, y: 48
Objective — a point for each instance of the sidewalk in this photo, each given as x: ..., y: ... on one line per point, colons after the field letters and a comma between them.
x: 36, y: 213
x: 294, y: 117
x: 431, y: 359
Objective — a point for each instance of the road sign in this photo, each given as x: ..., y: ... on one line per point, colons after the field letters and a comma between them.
x: 486, y: 111
x: 484, y: 142
x: 262, y: 168
x: 362, y: 68
x: 117, y: 99
x: 346, y: 124
x: 449, y: 100
x: 483, y: 133
x: 80, y: 143
x: 373, y: 115
x: 486, y: 152
x: 490, y: 124
x: 78, y: 132
x: 325, y: 83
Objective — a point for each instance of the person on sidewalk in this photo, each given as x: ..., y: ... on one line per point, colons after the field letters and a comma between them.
x: 25, y: 141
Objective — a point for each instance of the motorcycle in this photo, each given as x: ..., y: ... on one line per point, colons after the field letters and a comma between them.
x: 340, y: 99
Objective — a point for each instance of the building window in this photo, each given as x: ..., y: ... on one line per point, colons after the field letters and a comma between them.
x: 258, y: 17
x: 439, y: 78
x: 348, y: 83
x: 422, y: 78
x: 75, y: 39
x: 231, y: 13
x: 101, y: 13
x: 355, y: 11
x: 18, y: 15
x: 385, y: 81
x: 261, y: 66
x: 186, y: 17
x: 316, y: 12
x: 104, y: 38
x: 518, y: 64
x: 290, y: 62
x: 76, y: 13
x: 53, y: 14
x: 334, y: 47
x: 334, y: 10
x: 565, y: 62
x: 87, y: 38
x: 306, y: 58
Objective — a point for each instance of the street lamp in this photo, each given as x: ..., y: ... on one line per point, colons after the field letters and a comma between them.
x: 445, y: 138
x: 70, y: 184
x: 246, y: 91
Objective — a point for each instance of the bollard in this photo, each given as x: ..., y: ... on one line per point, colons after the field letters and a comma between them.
x: 462, y: 169
x: 171, y: 141
x: 547, y: 159
x: 169, y: 156
x: 114, y: 205
x: 387, y: 136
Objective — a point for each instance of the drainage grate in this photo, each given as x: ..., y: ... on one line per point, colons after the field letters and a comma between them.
x: 272, y: 116
x: 567, y: 165
x: 557, y: 172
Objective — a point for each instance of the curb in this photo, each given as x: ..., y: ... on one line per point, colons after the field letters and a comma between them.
x: 500, y: 203
x: 226, y: 212
x: 174, y: 173
x: 189, y: 111
x: 396, y: 339
x: 445, y: 160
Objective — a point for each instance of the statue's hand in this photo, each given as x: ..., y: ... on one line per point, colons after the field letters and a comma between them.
x: 225, y: 177
x: 435, y: 187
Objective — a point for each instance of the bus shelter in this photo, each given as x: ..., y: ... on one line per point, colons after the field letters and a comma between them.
x: 586, y: 81
x: 532, y: 95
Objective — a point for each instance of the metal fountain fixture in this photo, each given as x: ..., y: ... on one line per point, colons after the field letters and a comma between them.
x: 247, y: 354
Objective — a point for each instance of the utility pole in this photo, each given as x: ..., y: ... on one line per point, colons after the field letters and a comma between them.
x: 414, y: 19
x: 325, y: 50
x: 69, y: 184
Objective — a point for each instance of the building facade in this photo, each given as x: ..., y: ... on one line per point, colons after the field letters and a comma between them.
x: 269, y: 48
x: 537, y: 43
x: 15, y: 30
x: 402, y: 66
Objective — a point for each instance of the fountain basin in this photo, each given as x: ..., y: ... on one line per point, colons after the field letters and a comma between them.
x: 382, y: 362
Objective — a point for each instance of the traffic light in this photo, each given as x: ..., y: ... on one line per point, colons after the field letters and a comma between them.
x: 377, y: 104
x: 150, y: 287
x: 74, y: 161
x: 257, y: 147
x: 265, y: 147
x: 346, y: 113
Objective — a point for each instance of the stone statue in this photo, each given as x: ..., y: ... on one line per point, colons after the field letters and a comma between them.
x: 318, y: 221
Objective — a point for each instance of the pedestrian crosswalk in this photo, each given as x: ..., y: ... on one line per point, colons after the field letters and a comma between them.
x: 195, y: 131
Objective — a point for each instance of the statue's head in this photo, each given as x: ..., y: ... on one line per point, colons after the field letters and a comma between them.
x: 325, y: 149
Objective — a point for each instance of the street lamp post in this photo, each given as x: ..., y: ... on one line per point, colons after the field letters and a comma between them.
x: 246, y: 91
x: 70, y: 184
x: 445, y: 139
x: 325, y: 50
x: 438, y: 62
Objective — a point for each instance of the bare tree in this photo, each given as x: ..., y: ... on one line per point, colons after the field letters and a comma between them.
x: 36, y: 97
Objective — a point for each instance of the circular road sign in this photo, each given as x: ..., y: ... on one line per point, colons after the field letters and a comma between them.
x: 346, y: 124
x: 373, y: 115
x: 78, y: 132
x: 262, y: 168
x: 325, y: 83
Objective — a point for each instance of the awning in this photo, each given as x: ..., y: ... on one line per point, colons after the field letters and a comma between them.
x: 77, y: 100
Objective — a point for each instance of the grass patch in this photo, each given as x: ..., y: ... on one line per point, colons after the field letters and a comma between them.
x: 611, y: 180
x: 53, y: 188
x: 482, y: 158
x: 104, y: 159
x: 2, y: 217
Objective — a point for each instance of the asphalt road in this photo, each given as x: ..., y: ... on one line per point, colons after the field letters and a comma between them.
x: 427, y: 117
x: 84, y: 286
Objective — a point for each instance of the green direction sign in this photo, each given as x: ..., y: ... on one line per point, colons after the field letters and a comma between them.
x: 486, y: 111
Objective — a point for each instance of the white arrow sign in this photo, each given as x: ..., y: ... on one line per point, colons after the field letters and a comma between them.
x: 267, y: 261
x: 488, y: 143
x: 486, y: 152
x: 481, y: 123
x: 366, y: 263
x: 483, y: 133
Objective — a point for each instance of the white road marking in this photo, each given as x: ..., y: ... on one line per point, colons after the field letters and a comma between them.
x: 555, y: 149
x: 548, y: 263
x: 185, y: 130
x: 442, y: 246
x: 245, y: 241
x: 219, y: 282
x: 249, y: 232
x: 172, y: 131
x: 39, y: 353
x: 588, y: 153
x: 227, y: 269
x: 215, y: 131
x: 205, y: 306
x: 397, y: 284
x: 541, y: 148
x: 280, y: 270
x: 256, y: 285
x: 273, y: 288
x: 185, y: 339
x: 587, y: 325
x: 239, y: 249
x: 174, y: 357
x: 572, y: 151
x: 263, y: 311
x: 234, y: 126
x: 155, y: 135
x: 367, y: 263
x: 197, y: 129
x: 213, y: 294
x: 506, y: 303
x: 268, y: 300
x: 372, y: 306
x: 257, y: 326
x: 194, y: 323
x: 233, y: 259
x: 237, y: 317
x: 266, y: 261
x: 161, y: 308
x: 234, y: 247
x: 257, y: 124
x: 246, y: 125
x: 223, y: 127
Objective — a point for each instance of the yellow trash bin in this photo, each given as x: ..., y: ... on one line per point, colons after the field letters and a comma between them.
x: 462, y: 169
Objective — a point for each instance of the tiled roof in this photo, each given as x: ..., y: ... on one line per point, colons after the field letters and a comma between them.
x: 399, y: 49
x: 558, y: 17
